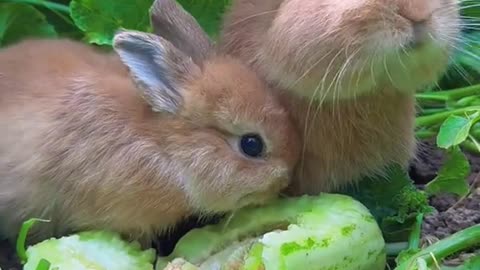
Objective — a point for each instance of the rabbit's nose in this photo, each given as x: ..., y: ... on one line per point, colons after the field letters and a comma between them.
x: 420, y: 34
x: 419, y: 14
x: 417, y: 11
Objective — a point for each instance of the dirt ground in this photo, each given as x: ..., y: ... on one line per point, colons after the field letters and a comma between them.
x: 450, y: 215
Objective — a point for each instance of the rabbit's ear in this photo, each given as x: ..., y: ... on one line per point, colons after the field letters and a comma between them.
x: 157, y: 67
x: 172, y: 22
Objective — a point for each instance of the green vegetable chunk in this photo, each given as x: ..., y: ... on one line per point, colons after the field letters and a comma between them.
x: 94, y: 250
x: 329, y: 231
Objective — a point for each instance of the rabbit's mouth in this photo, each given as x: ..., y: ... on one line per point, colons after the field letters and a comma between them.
x: 267, y: 194
x: 256, y: 199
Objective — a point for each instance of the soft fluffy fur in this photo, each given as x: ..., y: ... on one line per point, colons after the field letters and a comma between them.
x: 81, y: 147
x: 347, y: 71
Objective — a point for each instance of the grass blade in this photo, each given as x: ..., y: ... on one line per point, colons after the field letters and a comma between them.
x: 22, y: 237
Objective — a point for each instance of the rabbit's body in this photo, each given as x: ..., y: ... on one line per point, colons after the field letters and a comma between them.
x: 347, y: 71
x: 135, y: 141
x: 343, y: 139
x: 82, y: 136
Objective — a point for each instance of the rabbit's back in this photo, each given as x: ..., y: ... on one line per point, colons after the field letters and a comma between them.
x: 73, y: 130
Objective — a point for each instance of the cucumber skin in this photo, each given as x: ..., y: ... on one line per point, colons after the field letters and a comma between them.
x: 328, y: 231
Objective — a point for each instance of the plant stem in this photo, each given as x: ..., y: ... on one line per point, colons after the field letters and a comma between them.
x: 425, y: 134
x: 22, y: 238
x: 466, y: 101
x: 450, y: 94
x: 463, y: 92
x: 431, y: 97
x: 470, y: 147
x: 475, y: 131
x: 430, y: 111
x: 415, y: 235
x: 437, y: 118
x: 457, y: 242
x: 44, y: 3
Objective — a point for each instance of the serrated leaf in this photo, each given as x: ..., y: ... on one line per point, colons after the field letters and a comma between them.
x: 454, y: 131
x: 209, y: 13
x: 100, y: 19
x: 452, y: 177
x: 394, y: 201
x: 20, y: 21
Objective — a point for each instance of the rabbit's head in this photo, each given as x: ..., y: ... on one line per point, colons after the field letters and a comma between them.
x: 330, y: 49
x: 236, y: 144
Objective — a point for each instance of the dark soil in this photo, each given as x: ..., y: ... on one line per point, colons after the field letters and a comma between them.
x: 450, y: 215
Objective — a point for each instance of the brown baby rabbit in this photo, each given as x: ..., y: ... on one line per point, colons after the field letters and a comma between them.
x: 347, y: 70
x: 138, y: 140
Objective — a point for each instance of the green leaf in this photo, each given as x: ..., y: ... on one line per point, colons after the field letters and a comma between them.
x: 452, y: 177
x: 394, y: 201
x: 100, y: 19
x: 454, y: 131
x: 209, y: 13
x: 19, y: 21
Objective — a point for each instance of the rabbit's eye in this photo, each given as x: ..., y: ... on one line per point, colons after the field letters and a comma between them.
x: 252, y: 145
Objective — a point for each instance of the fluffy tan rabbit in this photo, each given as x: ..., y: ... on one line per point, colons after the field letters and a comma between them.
x: 136, y: 140
x: 347, y: 70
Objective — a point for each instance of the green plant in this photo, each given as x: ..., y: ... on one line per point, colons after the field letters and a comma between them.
x: 92, y: 21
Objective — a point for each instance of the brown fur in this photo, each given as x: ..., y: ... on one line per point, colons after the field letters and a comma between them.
x: 346, y: 72
x: 81, y: 147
